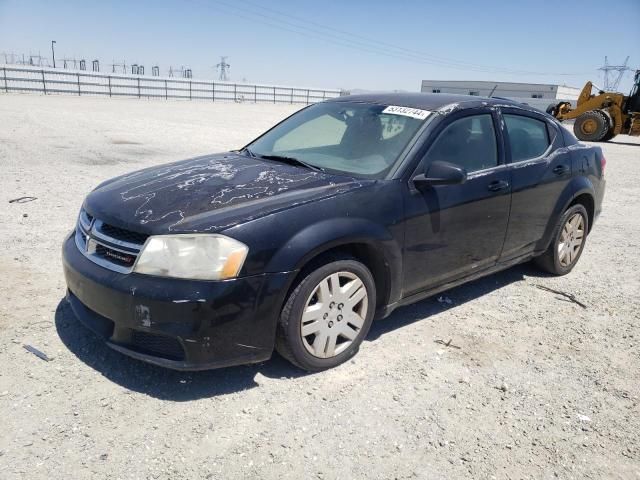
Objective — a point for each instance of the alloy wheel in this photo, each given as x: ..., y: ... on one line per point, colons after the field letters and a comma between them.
x: 334, y: 314
x: 571, y: 240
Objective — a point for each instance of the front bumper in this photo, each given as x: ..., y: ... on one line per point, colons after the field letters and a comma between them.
x: 179, y: 324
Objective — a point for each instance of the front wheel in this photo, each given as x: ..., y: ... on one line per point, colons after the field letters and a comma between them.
x: 568, y: 242
x: 327, y: 315
x: 591, y: 126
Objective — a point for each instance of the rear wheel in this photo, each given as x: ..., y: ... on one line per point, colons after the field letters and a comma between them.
x: 591, y: 126
x: 327, y: 316
x: 568, y: 242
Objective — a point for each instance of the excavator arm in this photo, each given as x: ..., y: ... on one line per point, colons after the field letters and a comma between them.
x: 585, y: 94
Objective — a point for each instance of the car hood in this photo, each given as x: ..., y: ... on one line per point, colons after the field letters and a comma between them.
x: 209, y: 194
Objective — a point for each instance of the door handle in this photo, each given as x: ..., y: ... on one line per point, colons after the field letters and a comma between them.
x: 560, y: 170
x: 498, y: 185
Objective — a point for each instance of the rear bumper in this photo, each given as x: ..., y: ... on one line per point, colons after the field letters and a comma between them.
x: 179, y: 324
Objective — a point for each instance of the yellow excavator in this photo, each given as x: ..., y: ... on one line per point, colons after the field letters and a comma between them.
x: 600, y: 117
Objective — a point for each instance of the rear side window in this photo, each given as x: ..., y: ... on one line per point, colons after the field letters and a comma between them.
x: 469, y: 142
x: 528, y: 137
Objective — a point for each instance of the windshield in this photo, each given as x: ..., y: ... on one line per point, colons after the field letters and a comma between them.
x: 358, y: 139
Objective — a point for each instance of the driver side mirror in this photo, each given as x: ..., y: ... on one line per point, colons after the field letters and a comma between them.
x: 441, y: 173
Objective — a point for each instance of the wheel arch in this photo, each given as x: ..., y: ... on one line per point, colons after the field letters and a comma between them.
x: 580, y: 190
x: 367, y: 242
x: 586, y: 199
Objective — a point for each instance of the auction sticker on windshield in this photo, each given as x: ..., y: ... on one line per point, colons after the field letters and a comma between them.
x: 407, y: 112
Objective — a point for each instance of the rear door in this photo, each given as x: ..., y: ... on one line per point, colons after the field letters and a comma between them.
x: 540, y: 170
x: 455, y: 230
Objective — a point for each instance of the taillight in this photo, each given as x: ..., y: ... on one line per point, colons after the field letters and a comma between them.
x: 603, y: 163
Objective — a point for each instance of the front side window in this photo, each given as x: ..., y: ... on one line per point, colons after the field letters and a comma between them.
x: 469, y: 142
x: 353, y: 138
x: 528, y: 137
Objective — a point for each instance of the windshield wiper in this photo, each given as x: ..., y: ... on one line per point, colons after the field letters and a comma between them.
x: 248, y: 152
x: 292, y: 161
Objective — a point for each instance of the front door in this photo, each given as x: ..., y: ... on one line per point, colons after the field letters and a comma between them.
x: 455, y: 230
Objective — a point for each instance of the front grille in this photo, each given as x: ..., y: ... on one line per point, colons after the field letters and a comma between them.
x: 158, y: 345
x: 109, y: 246
x: 122, y: 234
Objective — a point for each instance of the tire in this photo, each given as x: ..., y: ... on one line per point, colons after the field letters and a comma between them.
x: 608, y: 136
x: 554, y: 260
x: 591, y: 126
x: 333, y: 338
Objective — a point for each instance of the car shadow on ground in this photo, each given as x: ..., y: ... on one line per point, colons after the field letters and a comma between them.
x: 184, y: 386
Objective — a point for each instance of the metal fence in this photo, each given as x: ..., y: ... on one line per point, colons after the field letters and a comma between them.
x: 55, y: 81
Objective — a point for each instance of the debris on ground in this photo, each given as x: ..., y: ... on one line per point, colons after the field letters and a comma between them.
x: 447, y: 344
x: 569, y: 296
x: 37, y: 352
x: 23, y: 199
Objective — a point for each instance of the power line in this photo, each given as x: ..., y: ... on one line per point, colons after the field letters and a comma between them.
x: 392, y: 46
x: 366, y: 44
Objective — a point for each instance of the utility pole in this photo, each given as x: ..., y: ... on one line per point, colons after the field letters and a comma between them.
x: 223, y: 66
x: 53, y: 53
x: 612, y: 86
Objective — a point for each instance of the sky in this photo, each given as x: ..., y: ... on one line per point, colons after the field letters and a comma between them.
x: 357, y: 44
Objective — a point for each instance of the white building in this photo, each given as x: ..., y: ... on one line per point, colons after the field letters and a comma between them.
x: 516, y: 91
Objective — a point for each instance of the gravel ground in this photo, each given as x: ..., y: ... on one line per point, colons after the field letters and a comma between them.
x: 528, y: 385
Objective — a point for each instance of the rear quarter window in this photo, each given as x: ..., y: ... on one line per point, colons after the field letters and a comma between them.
x: 528, y: 137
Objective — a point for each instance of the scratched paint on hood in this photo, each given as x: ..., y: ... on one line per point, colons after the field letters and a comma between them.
x: 208, y: 193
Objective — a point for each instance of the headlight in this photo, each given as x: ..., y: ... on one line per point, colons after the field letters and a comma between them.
x: 198, y: 257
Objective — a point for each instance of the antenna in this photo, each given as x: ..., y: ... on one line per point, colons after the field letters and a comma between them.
x: 611, y: 84
x: 223, y: 66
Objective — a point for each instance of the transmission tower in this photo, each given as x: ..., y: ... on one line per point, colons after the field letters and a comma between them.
x: 66, y: 62
x: 611, y: 83
x: 223, y: 66
x: 119, y: 66
x: 182, y: 72
x: 37, y: 60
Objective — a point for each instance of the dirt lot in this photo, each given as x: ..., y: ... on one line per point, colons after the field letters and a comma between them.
x: 531, y: 385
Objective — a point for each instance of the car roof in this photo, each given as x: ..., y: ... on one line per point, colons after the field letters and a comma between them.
x: 425, y: 101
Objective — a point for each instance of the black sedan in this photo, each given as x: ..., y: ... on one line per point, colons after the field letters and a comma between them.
x: 336, y: 216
